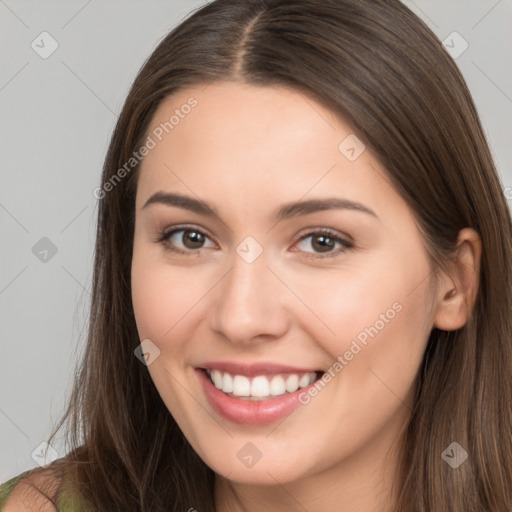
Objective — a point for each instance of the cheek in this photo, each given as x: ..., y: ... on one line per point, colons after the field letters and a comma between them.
x: 374, y: 316
x: 342, y: 302
x: 154, y: 301
x: 163, y: 296
x: 164, y: 304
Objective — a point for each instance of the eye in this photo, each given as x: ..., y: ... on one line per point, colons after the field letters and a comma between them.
x: 184, y: 240
x: 189, y: 240
x: 324, y: 243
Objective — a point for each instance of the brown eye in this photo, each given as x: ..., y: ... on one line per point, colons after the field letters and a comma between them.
x: 326, y: 243
x: 185, y: 240
x: 192, y: 239
x: 322, y: 243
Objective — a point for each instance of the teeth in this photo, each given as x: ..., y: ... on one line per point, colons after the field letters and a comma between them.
x: 217, y: 379
x: 304, y: 381
x: 277, y: 386
x: 260, y: 386
x: 241, y: 386
x: 292, y: 383
x: 227, y: 383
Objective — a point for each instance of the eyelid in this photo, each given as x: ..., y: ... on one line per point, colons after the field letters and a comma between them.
x: 313, y: 230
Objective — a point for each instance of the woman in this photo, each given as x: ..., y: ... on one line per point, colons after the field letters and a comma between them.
x: 302, y: 285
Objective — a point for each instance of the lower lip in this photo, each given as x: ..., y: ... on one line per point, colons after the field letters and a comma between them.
x: 250, y: 412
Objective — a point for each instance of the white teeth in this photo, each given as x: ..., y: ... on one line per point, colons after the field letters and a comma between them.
x: 304, y: 380
x: 292, y: 383
x: 227, y: 383
x: 241, y: 386
x: 260, y: 386
x: 217, y: 378
x: 277, y: 386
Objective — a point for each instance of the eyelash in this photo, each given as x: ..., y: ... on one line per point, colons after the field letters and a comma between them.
x: 162, y: 238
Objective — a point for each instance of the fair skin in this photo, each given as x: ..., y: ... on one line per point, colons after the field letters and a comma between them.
x: 246, y: 151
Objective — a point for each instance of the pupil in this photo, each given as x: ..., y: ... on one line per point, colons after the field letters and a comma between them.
x: 193, y: 239
x: 323, y: 243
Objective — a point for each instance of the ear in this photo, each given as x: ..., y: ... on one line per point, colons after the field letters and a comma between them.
x: 457, y: 291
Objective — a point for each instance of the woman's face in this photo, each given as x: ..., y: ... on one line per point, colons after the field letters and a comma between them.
x: 288, y: 254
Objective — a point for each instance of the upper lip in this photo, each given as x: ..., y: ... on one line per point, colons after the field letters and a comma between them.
x: 254, y: 369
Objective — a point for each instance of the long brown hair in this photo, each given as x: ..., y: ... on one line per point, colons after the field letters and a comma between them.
x: 382, y: 70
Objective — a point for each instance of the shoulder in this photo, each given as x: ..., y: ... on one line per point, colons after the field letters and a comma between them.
x: 29, y: 492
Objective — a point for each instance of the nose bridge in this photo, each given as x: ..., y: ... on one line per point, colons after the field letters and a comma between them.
x: 248, y: 303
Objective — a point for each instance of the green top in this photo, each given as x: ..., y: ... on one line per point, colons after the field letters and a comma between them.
x: 66, y: 503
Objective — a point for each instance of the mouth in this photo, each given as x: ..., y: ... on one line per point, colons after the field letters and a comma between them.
x: 255, y: 394
x: 263, y: 386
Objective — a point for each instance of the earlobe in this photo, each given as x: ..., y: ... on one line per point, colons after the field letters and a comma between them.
x: 458, y: 291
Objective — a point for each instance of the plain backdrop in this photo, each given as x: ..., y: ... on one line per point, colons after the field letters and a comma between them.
x: 57, y: 115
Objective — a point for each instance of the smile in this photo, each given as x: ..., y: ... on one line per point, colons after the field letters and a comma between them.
x: 260, y: 386
x: 254, y: 394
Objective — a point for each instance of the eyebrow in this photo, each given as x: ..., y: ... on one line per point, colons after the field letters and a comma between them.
x: 286, y: 211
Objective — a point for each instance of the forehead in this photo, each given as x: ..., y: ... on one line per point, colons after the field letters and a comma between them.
x: 274, y: 142
x: 235, y: 117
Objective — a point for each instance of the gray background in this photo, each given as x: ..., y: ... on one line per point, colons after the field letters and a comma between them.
x: 57, y: 115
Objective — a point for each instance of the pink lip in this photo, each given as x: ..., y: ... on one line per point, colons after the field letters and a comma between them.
x: 250, y: 412
x: 251, y: 370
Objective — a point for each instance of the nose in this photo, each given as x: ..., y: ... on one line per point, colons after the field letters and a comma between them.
x: 250, y: 303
